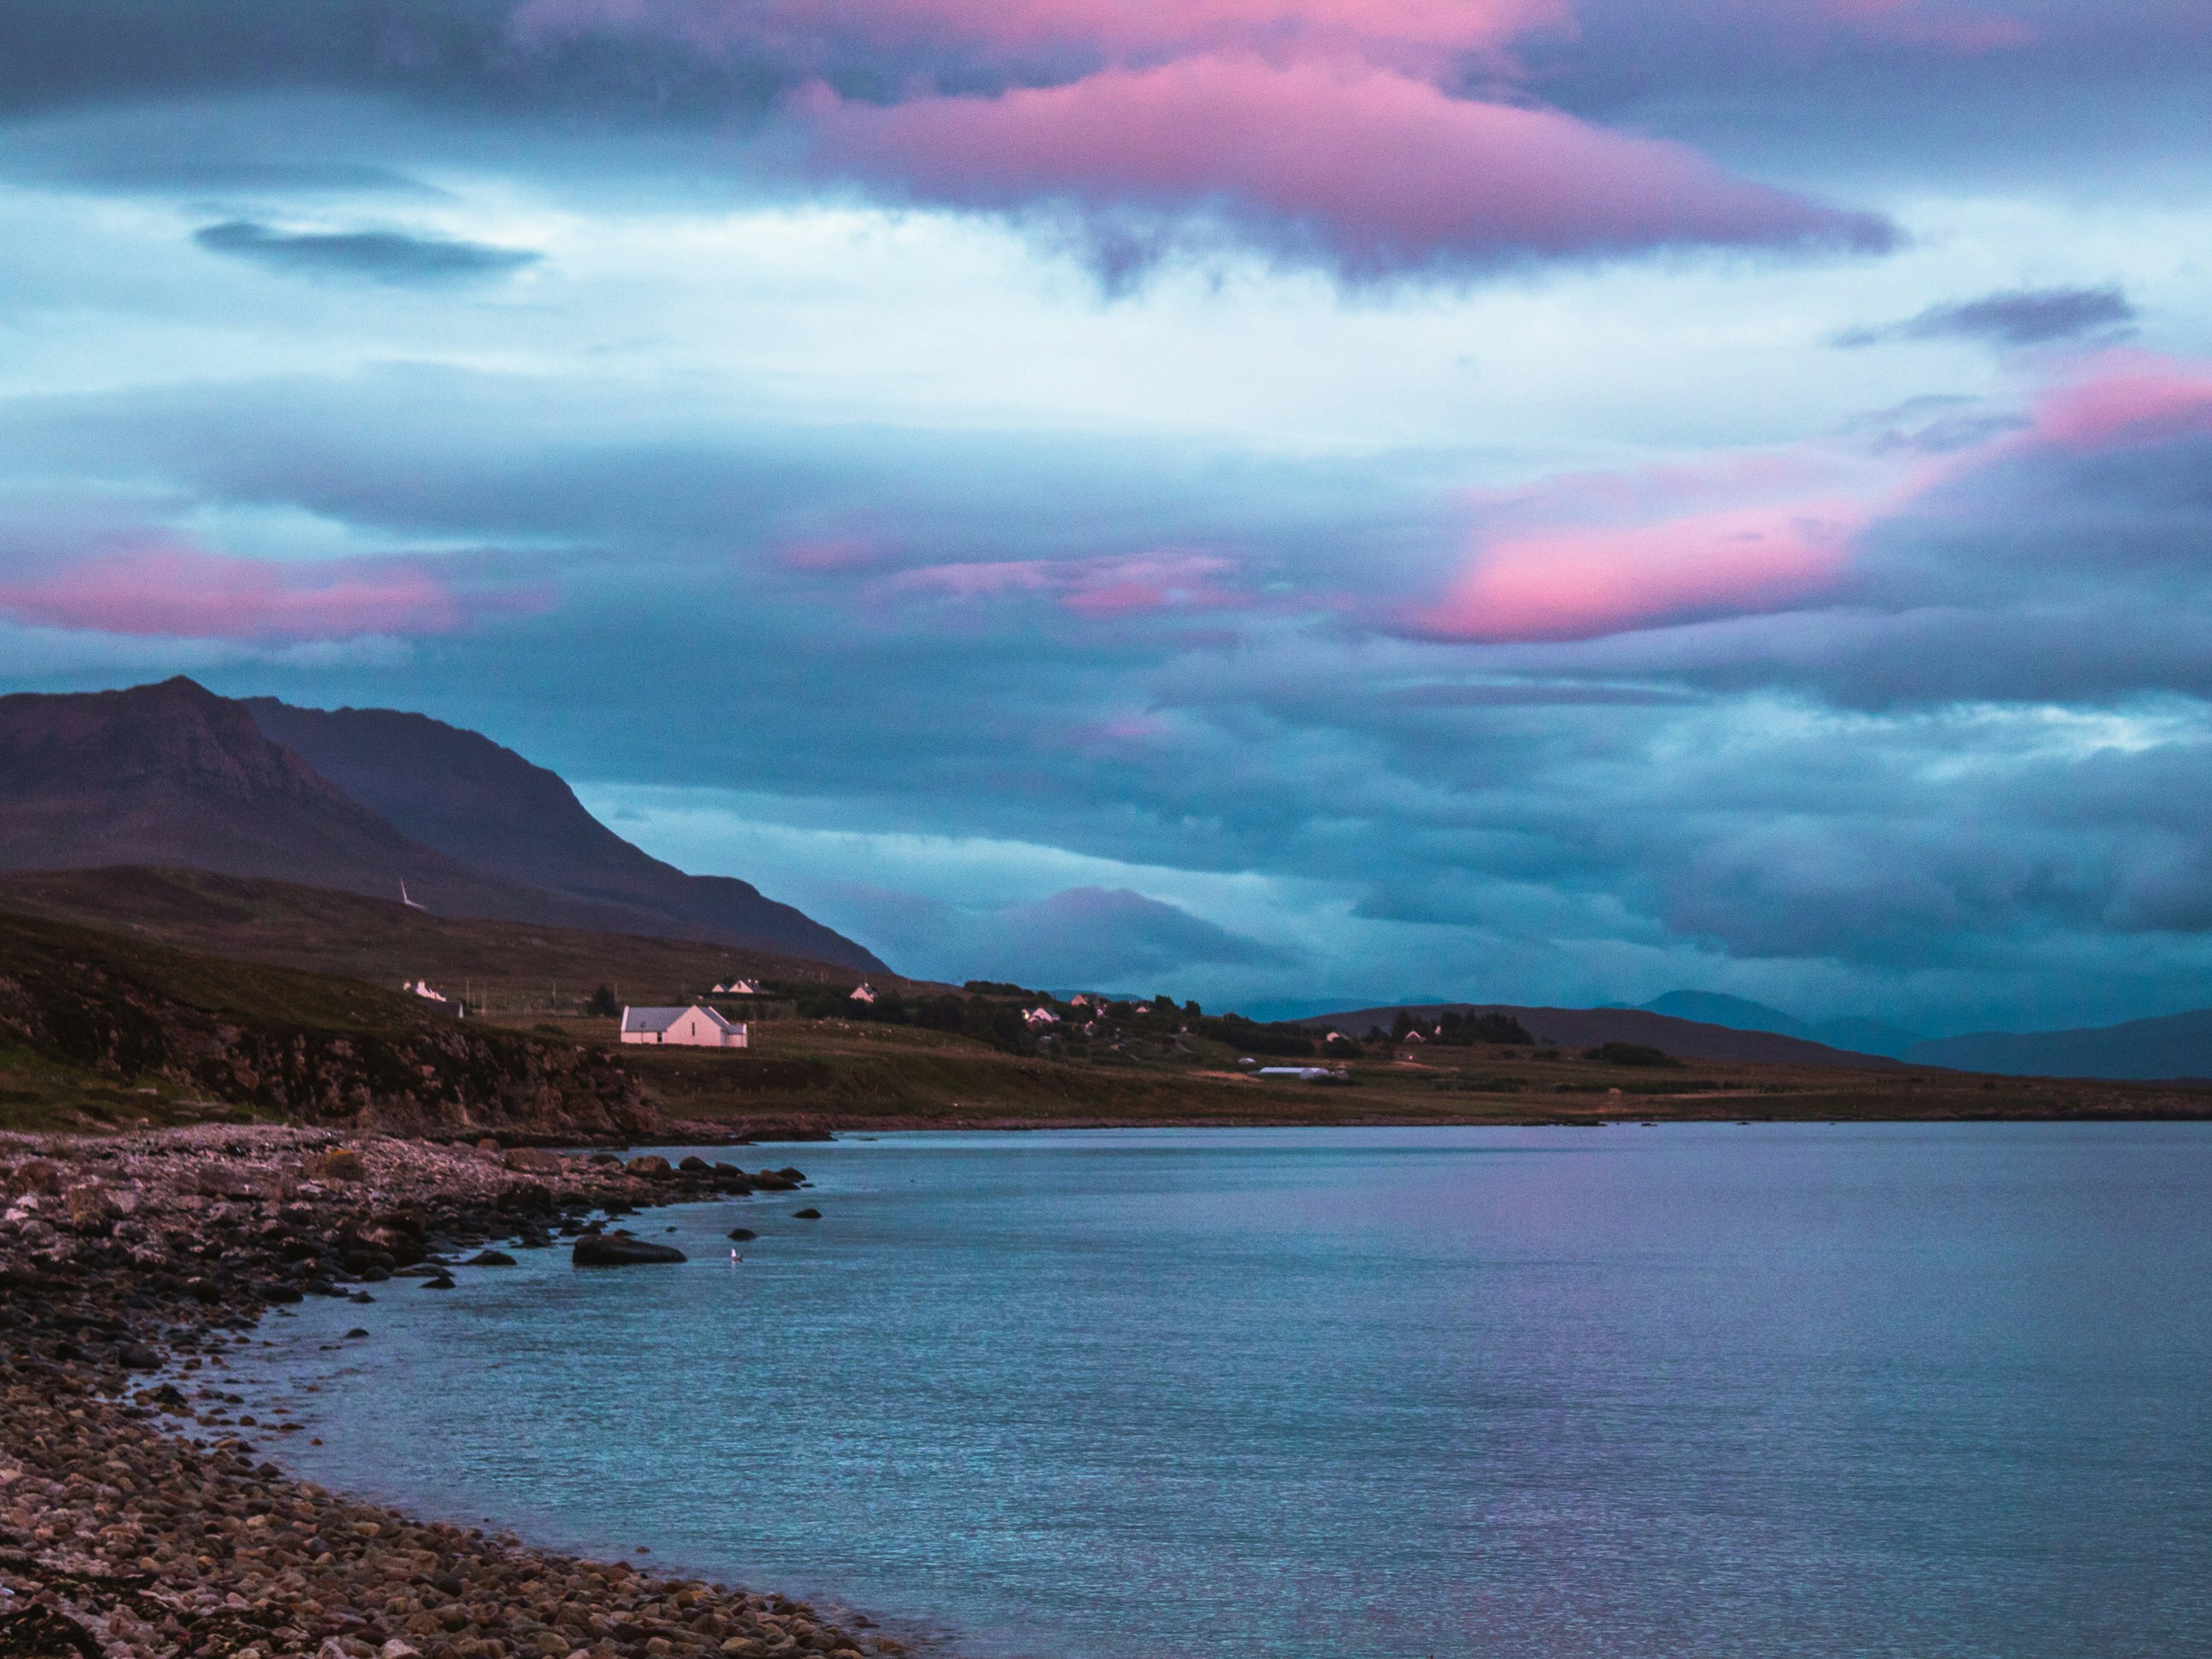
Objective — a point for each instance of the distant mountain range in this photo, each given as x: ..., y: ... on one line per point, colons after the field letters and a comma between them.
x: 2139, y: 1050
x: 357, y: 799
x: 1711, y: 1025
x: 1868, y: 1036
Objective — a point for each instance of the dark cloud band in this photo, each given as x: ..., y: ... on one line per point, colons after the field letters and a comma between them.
x: 373, y: 256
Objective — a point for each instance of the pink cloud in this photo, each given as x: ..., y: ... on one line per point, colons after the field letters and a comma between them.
x: 1572, y: 584
x: 1579, y: 555
x: 2125, y: 398
x: 170, y: 592
x: 1121, y: 585
x: 1372, y: 170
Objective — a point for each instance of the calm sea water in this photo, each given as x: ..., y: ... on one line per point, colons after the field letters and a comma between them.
x: 1897, y: 1390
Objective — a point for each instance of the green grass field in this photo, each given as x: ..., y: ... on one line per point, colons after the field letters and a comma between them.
x: 843, y: 1075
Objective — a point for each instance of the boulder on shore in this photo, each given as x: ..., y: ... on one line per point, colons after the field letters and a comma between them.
x: 621, y: 1250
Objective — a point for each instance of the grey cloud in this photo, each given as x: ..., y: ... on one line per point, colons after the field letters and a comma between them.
x: 1537, y: 693
x: 251, y: 178
x: 1594, y: 806
x: 392, y: 257
x: 1094, y: 935
x: 2020, y: 316
x: 1933, y: 426
x: 458, y: 55
x: 2116, y: 92
x: 1085, y: 936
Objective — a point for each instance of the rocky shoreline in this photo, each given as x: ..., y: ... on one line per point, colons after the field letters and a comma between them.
x: 137, y: 1519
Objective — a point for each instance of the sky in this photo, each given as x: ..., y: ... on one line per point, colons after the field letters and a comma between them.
x: 1296, y: 503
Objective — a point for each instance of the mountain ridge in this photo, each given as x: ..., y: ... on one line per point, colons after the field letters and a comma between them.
x: 488, y: 807
x: 2168, y: 1047
x: 173, y: 775
x: 1853, y: 1033
x: 2165, y: 1047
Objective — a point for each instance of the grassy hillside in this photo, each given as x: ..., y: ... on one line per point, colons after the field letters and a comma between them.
x: 97, y: 1028
x: 513, y: 965
x: 839, y: 1075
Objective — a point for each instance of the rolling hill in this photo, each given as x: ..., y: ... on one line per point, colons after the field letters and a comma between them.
x: 1870, y: 1036
x: 1579, y: 1028
x: 2177, y: 1046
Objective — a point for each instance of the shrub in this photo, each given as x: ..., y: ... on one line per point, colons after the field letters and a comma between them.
x: 1252, y: 1037
x: 1630, y: 1054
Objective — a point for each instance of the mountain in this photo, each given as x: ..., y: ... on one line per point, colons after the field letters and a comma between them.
x: 1857, y: 1035
x: 1718, y: 1008
x: 2177, y: 1046
x: 487, y: 807
x: 172, y: 775
x: 1869, y: 1036
x: 1586, y: 1027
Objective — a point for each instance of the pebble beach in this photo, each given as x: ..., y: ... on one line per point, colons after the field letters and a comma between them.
x: 137, y: 1517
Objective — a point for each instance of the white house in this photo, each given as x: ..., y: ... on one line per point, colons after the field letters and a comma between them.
x: 738, y: 988
x: 864, y: 992
x: 695, y: 1027
x: 1041, y: 1017
x: 420, y: 987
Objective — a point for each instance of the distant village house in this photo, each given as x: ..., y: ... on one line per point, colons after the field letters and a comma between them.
x: 1041, y: 1017
x: 695, y: 1027
x: 420, y: 987
x: 738, y: 988
x: 864, y: 992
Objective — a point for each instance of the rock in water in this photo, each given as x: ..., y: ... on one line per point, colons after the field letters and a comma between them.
x: 619, y: 1250
x: 810, y: 1214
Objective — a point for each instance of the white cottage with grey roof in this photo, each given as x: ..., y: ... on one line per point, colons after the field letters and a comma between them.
x: 695, y: 1027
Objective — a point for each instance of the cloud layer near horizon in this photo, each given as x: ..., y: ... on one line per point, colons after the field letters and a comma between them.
x: 1552, y: 502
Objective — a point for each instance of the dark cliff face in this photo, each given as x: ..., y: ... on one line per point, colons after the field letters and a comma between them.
x: 297, y: 1046
x: 486, y: 807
